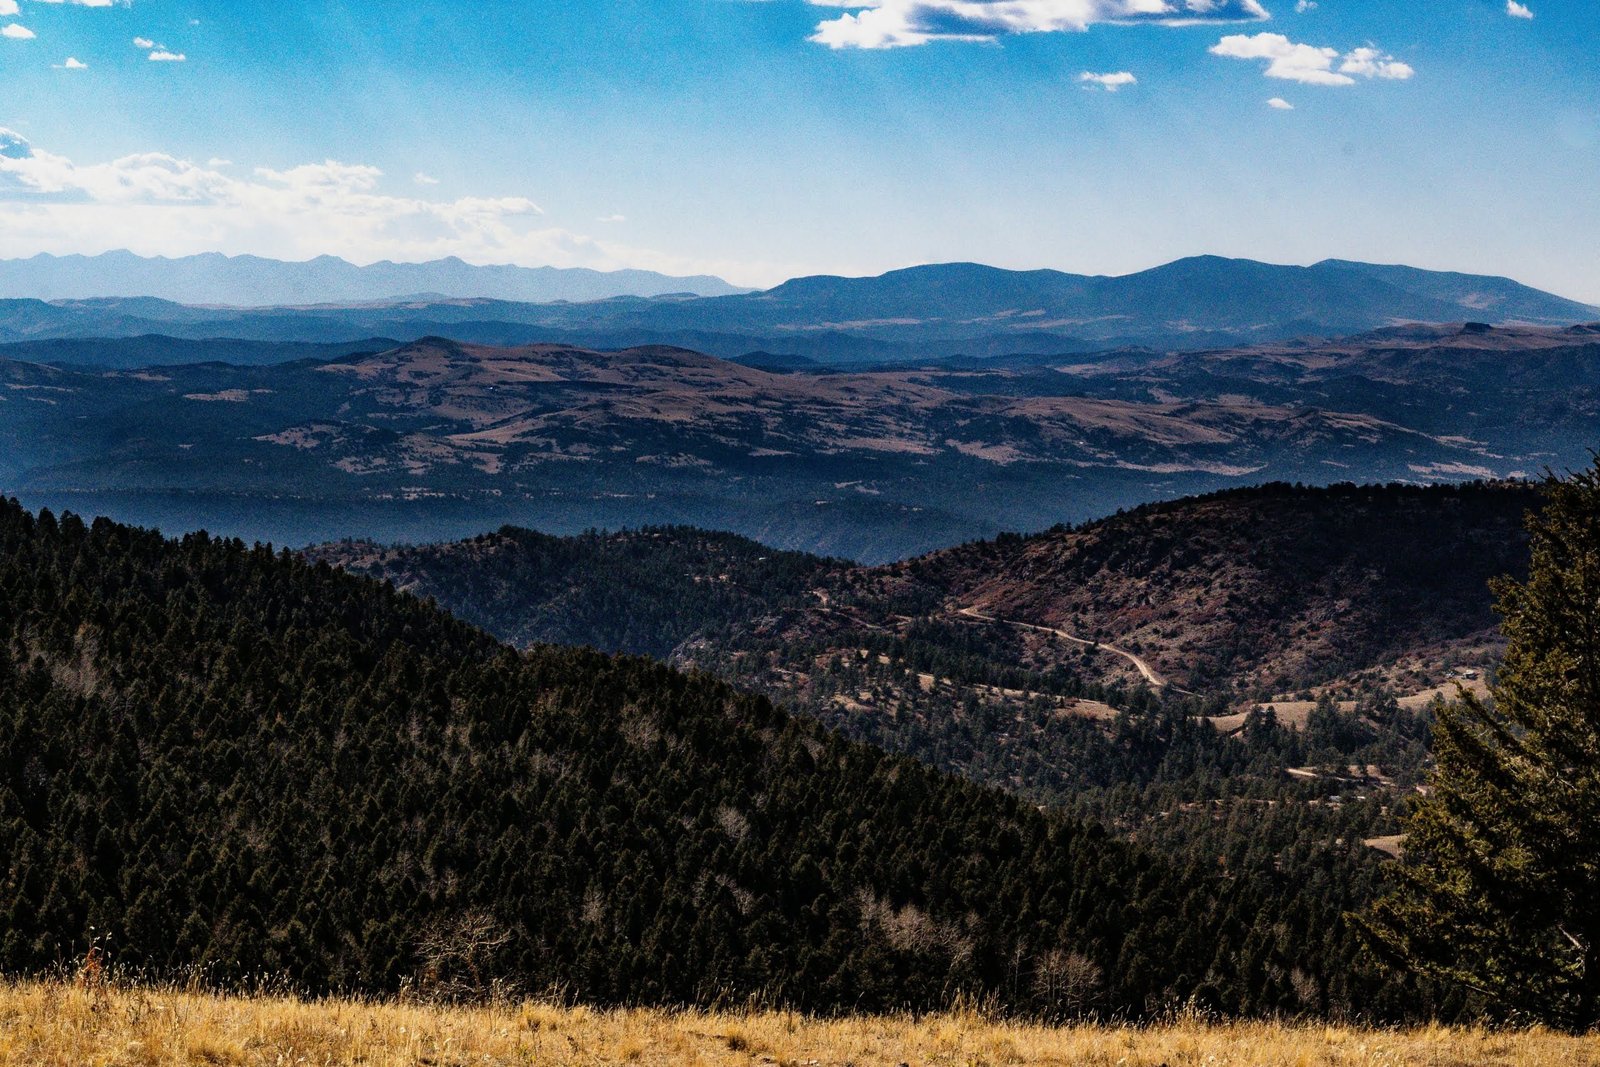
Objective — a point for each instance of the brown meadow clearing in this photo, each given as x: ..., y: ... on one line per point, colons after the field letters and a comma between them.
x: 55, y: 1023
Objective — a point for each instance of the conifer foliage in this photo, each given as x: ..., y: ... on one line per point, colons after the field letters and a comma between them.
x: 1500, y: 890
x: 231, y: 760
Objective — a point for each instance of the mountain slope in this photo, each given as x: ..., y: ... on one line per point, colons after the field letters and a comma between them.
x: 246, y: 281
x: 1269, y: 589
x: 216, y: 757
x: 223, y: 758
x: 642, y: 592
x: 1238, y: 597
x: 1373, y: 598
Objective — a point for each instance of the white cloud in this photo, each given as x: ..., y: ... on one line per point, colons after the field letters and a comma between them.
x: 907, y: 23
x: 157, y: 204
x: 424, y: 179
x: 18, y: 32
x: 1285, y: 59
x: 1278, y: 103
x: 1518, y: 11
x: 1370, y: 63
x: 1305, y: 5
x: 8, y: 7
x: 1109, y: 82
x: 159, y: 53
x: 88, y: 3
x: 72, y: 63
x: 612, y: 218
x: 1311, y: 65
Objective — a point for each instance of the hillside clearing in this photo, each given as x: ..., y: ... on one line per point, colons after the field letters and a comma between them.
x: 58, y: 1024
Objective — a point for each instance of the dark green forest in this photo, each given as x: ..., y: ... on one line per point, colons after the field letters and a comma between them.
x: 1278, y: 815
x: 642, y: 591
x: 1282, y: 813
x: 225, y: 762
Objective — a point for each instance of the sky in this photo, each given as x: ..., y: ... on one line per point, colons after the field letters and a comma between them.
x: 763, y: 139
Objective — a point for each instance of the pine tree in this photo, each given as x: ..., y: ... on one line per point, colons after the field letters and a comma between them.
x: 1499, y: 891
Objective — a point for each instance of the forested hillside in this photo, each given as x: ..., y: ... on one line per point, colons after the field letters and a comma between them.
x: 1271, y: 596
x: 642, y: 592
x: 217, y: 757
x: 1304, y: 631
x: 1268, y: 589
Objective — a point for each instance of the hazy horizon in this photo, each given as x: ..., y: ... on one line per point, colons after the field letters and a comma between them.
x: 759, y: 140
x: 494, y: 264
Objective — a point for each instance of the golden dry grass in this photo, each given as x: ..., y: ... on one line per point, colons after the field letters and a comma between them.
x: 59, y: 1024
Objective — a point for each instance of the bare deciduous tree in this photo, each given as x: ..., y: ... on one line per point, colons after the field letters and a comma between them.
x: 457, y: 954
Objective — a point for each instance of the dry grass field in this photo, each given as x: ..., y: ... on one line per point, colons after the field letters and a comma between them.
x: 62, y: 1024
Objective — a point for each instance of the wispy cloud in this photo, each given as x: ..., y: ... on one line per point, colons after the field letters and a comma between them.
x: 1309, y: 64
x: 612, y: 218
x: 143, y: 42
x: 875, y: 24
x: 1518, y: 11
x: 13, y: 145
x: 1109, y: 82
x: 1278, y: 103
x: 158, y: 204
x: 18, y: 32
x: 424, y: 179
x: 72, y: 63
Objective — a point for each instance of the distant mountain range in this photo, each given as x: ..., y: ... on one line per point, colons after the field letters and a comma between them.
x: 251, y: 281
x: 913, y: 315
x: 437, y: 439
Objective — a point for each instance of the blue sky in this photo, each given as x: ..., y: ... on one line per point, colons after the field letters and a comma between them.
x: 764, y: 138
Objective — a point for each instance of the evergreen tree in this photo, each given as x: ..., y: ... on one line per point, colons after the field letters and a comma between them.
x: 1500, y: 889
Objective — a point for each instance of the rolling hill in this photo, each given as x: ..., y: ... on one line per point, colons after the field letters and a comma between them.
x: 439, y: 439
x: 154, y: 350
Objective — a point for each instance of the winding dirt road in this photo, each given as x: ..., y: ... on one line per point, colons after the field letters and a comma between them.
x: 1150, y: 674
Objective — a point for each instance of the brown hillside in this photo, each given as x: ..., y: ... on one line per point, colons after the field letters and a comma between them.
x: 1274, y: 588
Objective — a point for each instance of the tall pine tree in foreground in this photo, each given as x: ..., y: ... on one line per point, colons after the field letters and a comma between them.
x: 1499, y: 891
